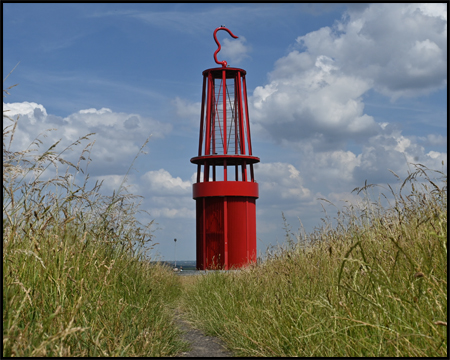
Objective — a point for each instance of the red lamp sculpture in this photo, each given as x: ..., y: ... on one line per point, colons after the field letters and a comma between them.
x: 225, y: 191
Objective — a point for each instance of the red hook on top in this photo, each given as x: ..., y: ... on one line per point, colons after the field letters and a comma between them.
x: 221, y: 27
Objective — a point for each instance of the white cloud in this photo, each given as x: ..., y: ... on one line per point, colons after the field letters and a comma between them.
x: 110, y: 182
x: 401, y: 48
x: 113, y: 182
x: 33, y: 121
x: 173, y: 213
x: 186, y: 110
x: 32, y: 110
x: 337, y: 165
x: 434, y: 154
x: 233, y: 51
x: 314, y: 97
x: 281, y: 183
x: 119, y: 136
x: 319, y: 105
x: 436, y: 139
x: 118, y: 125
x: 164, y: 196
x: 167, y: 196
x: 393, y: 151
x: 337, y: 171
x: 162, y: 183
x: 340, y: 199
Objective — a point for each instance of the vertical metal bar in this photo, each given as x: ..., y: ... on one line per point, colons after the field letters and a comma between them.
x: 208, y: 127
x: 214, y: 172
x: 213, y: 115
x: 236, y: 130
x: 252, y: 173
x: 225, y: 231
x: 204, y: 233
x: 236, y: 102
x: 205, y: 171
x: 225, y: 175
x: 201, y: 118
x: 224, y: 104
x: 217, y: 115
x: 247, y: 229
x: 232, y: 117
x: 198, y: 172
x: 244, y: 171
x: 249, y: 141
x: 208, y: 118
x: 241, y: 125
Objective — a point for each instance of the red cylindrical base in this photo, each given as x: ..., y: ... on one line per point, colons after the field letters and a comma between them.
x: 226, y: 232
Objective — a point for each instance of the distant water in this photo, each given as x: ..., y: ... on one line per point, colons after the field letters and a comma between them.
x: 189, y: 272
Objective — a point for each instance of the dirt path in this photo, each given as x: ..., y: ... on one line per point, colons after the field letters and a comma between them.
x: 201, y: 344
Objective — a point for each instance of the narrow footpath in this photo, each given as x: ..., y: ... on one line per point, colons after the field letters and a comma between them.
x: 201, y: 344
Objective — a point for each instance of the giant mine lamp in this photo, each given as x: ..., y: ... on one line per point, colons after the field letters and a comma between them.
x: 225, y: 191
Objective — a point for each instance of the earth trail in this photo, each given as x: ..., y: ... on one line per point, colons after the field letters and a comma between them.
x: 201, y: 344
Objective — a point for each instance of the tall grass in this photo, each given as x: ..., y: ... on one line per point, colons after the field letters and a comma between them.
x: 375, y: 284
x: 76, y: 277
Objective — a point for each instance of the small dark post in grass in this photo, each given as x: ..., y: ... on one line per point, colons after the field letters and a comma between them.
x: 175, y: 240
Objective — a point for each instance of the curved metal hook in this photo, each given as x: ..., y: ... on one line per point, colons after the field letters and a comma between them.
x: 221, y: 27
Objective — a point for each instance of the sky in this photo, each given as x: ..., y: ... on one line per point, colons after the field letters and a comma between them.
x: 338, y: 94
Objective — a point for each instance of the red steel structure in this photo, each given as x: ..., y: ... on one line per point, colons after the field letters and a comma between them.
x: 226, y: 193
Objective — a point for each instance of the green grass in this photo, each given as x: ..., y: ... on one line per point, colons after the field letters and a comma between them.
x: 373, y: 285
x: 76, y: 277
x: 61, y: 298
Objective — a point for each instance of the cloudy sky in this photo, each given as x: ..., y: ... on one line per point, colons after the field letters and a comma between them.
x: 338, y: 94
